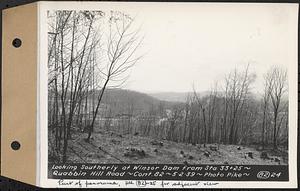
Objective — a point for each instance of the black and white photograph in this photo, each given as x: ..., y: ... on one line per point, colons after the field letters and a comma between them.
x: 137, y: 94
x: 170, y: 84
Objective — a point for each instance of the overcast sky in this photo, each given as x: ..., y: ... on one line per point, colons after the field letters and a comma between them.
x: 188, y: 43
x: 200, y: 44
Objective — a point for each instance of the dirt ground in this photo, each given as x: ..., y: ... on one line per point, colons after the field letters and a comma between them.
x: 110, y: 147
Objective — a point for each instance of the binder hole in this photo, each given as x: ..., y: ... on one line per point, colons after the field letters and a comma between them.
x: 16, y: 42
x: 15, y: 145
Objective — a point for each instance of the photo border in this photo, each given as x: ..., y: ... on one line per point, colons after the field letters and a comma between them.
x: 43, y: 106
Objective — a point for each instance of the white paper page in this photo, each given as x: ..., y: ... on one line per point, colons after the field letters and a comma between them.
x: 196, y: 95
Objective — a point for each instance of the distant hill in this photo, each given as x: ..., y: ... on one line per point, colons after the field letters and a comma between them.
x: 131, y: 102
x: 171, y: 96
x: 123, y: 101
x: 175, y: 96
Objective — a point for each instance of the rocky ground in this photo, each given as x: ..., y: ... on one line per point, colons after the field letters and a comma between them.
x: 110, y: 147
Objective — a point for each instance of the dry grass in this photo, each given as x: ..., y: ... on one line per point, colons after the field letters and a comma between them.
x: 109, y: 147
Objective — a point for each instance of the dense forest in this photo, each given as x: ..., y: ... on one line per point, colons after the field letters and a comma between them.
x: 87, y: 69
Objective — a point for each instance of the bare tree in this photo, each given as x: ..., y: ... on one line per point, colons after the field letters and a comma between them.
x: 238, y: 86
x: 265, y: 106
x: 122, y: 45
x: 186, y: 116
x: 211, y: 113
x: 69, y: 72
x: 277, y: 78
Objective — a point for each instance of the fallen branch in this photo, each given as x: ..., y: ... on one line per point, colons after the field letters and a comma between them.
x: 77, y: 154
x: 100, y: 148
